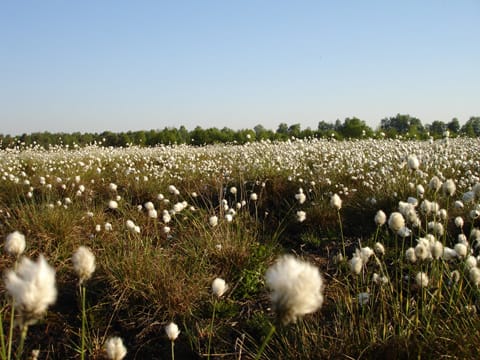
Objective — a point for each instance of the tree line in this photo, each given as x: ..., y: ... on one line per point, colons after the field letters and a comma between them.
x: 399, y: 126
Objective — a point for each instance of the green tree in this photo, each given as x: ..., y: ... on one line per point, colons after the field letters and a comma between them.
x: 472, y: 127
x: 453, y: 126
x: 437, y: 128
x: 355, y: 128
x: 403, y: 125
x: 294, y: 130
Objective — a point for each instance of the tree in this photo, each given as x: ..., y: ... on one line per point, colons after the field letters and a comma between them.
x: 354, y: 128
x: 294, y: 130
x: 263, y: 134
x: 198, y: 136
x: 472, y: 127
x: 282, y: 131
x: 437, y: 128
x: 453, y: 126
x: 323, y: 126
x: 402, y: 124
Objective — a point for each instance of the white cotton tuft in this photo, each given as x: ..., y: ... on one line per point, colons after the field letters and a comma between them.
x: 15, y: 243
x: 115, y: 348
x: 83, y: 263
x: 296, y: 288
x: 32, y: 287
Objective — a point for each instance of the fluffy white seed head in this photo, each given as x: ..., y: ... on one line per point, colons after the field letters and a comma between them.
x: 365, y: 253
x: 112, y: 204
x: 422, y: 252
x: 379, y: 248
x: 149, y: 205
x: 435, y: 184
x: 396, y: 221
x: 152, y: 214
x: 115, y: 348
x: 355, y: 264
x: 404, y: 232
x: 301, y: 197
x: 470, y: 262
x: 461, y: 250
x: 15, y: 243
x: 219, y: 286
x: 449, y: 187
x: 336, y: 202
x: 413, y: 162
x: 437, y: 249
x: 459, y: 221
x: 301, y: 216
x: 410, y: 255
x: 436, y: 227
x: 474, y: 275
x: 443, y: 214
x: 462, y: 239
x: 420, y: 190
x: 32, y: 287
x: 130, y: 225
x: 380, y: 218
x: 449, y: 254
x: 421, y: 279
x: 213, y: 220
x: 296, y: 288
x: 172, y: 331
x: 83, y: 263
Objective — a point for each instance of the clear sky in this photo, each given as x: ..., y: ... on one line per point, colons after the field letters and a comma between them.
x: 98, y: 65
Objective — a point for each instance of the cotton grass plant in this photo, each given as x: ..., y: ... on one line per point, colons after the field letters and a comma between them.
x: 84, y: 265
x: 143, y: 279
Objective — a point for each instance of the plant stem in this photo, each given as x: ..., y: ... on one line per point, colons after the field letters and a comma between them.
x: 265, y: 342
x: 10, y: 332
x: 211, y: 329
x: 173, y: 352
x: 22, y: 342
x: 3, y: 354
x: 341, y: 233
x: 84, y: 321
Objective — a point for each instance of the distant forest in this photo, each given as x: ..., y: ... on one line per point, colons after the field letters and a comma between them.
x: 399, y: 126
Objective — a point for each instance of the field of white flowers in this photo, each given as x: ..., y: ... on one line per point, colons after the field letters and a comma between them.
x: 302, y: 249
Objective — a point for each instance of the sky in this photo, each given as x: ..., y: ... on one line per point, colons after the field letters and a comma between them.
x: 97, y: 65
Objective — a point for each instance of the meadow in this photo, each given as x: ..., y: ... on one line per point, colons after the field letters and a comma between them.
x: 383, y: 238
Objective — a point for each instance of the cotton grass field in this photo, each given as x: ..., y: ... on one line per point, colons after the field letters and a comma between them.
x: 304, y: 249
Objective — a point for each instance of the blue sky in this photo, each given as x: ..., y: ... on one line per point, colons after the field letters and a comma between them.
x: 91, y: 66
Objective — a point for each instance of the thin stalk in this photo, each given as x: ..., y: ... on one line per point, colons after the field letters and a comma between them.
x: 341, y: 233
x: 265, y: 342
x: 173, y: 351
x: 376, y: 234
x: 10, y: 332
x: 211, y: 329
x: 12, y: 320
x: 84, y: 321
x: 22, y: 342
x: 3, y: 353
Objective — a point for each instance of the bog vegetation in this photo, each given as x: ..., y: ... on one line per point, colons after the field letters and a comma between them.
x: 301, y: 249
